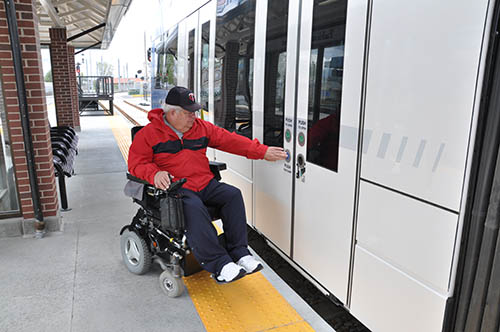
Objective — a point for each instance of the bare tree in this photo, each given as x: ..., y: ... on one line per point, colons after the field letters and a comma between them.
x: 104, y: 69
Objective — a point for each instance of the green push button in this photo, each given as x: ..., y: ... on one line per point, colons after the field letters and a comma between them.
x: 302, y: 139
x: 288, y: 135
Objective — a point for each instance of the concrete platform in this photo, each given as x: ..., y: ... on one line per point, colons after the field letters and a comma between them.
x: 76, y: 281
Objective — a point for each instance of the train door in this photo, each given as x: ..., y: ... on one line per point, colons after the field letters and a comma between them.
x: 276, y: 65
x: 192, y: 65
x: 419, y: 111
x: 330, y: 67
x: 205, y: 72
x: 233, y: 87
x: 310, y: 198
x: 187, y: 63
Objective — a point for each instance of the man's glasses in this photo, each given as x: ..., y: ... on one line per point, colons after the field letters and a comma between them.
x: 193, y: 114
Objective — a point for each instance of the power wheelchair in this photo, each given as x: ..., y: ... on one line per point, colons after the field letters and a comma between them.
x: 148, y: 238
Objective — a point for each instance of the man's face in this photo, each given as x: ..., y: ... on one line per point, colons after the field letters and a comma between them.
x: 183, y: 120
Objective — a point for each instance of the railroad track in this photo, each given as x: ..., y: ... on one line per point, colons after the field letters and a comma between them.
x: 136, y: 106
x: 125, y: 114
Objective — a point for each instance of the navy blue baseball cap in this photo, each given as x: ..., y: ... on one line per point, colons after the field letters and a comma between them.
x: 182, y: 97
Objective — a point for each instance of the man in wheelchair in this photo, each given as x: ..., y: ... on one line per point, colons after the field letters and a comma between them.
x: 172, y: 147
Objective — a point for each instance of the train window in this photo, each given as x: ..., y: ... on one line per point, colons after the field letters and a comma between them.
x: 234, y: 66
x: 325, y: 82
x: 160, y: 75
x: 166, y: 72
x: 274, y: 85
x: 205, y: 47
x: 169, y: 51
x: 191, y: 61
x: 164, y: 66
x: 8, y: 190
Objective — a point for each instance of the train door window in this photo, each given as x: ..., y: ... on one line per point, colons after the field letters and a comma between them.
x: 325, y: 82
x: 170, y: 62
x: 234, y: 66
x: 8, y: 190
x: 161, y: 71
x: 160, y: 74
x: 205, y: 47
x: 191, y: 60
x: 274, y: 85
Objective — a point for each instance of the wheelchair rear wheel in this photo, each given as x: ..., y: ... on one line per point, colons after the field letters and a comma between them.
x: 135, y: 252
x: 170, y: 285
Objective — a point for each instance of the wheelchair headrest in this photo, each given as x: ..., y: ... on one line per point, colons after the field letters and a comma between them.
x: 134, y: 130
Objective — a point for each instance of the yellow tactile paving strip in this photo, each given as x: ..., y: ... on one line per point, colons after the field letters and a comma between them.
x: 122, y: 134
x: 250, y: 304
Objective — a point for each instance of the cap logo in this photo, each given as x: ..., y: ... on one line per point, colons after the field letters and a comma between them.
x: 191, y: 97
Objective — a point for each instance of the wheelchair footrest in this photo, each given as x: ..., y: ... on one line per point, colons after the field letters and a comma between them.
x: 191, y: 265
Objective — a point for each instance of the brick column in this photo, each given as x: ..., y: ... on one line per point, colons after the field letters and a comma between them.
x: 61, y: 77
x: 74, y: 89
x: 37, y: 109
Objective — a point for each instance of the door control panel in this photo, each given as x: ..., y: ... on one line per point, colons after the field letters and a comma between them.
x: 301, y: 167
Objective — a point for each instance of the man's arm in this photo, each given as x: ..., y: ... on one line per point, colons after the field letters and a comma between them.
x: 222, y: 139
x: 140, y: 159
x: 275, y: 153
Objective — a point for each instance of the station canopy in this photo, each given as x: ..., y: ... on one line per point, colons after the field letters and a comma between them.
x: 89, y: 23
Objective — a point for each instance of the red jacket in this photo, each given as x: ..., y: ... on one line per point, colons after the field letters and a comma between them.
x: 157, y: 147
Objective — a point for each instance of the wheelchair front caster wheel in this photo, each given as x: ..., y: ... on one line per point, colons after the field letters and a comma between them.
x: 135, y: 252
x: 170, y: 285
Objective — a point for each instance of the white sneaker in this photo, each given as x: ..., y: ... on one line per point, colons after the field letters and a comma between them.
x: 230, y: 272
x: 250, y: 264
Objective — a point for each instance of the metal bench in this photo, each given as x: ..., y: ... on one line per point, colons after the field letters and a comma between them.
x: 64, y: 150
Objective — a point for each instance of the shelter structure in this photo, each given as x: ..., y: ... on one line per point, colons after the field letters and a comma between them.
x: 28, y: 192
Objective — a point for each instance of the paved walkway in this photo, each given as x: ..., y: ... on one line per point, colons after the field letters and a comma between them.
x: 76, y: 281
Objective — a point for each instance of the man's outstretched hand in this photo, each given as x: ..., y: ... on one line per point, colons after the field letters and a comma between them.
x: 274, y: 153
x: 162, y: 180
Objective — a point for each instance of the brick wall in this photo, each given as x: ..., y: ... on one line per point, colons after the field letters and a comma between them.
x: 35, y: 93
x: 61, y: 77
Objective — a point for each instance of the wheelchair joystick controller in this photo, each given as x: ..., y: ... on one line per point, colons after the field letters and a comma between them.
x: 176, y: 185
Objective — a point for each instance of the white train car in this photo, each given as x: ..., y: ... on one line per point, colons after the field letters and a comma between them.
x: 377, y: 103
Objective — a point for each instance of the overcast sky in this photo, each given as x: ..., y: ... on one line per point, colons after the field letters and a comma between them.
x: 143, y: 17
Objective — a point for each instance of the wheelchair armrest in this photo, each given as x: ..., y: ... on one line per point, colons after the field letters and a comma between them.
x: 136, y: 179
x: 216, y: 167
x: 152, y: 190
x: 149, y: 189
